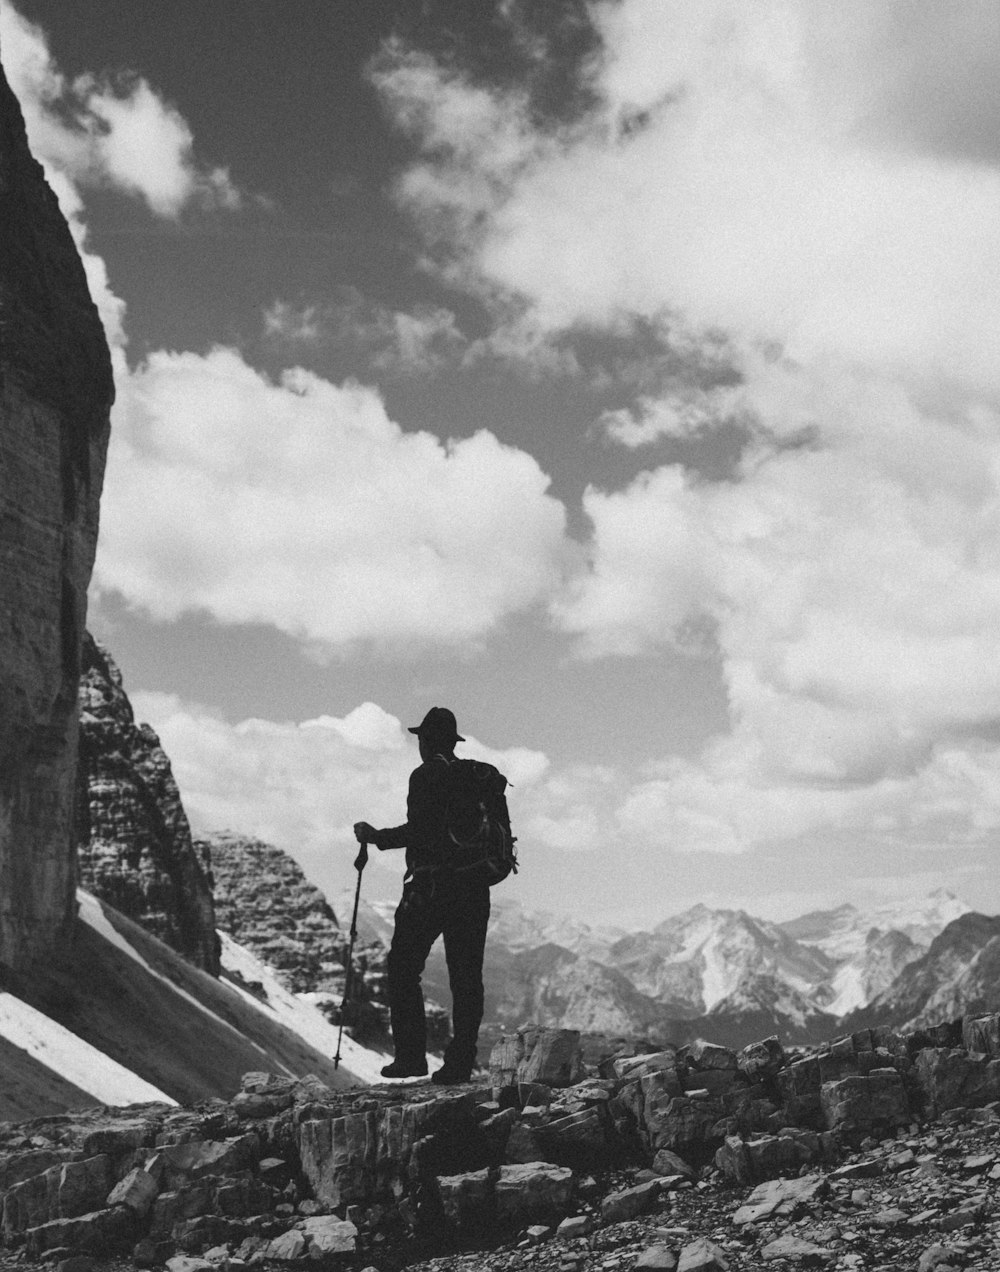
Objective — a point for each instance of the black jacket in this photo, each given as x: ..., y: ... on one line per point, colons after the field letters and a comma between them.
x: 424, y: 833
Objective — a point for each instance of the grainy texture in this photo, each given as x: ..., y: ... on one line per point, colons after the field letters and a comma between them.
x: 135, y: 847
x: 56, y: 390
x: 291, y: 1171
x: 264, y: 901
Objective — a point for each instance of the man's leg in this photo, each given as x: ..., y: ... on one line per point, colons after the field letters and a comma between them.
x: 417, y: 928
x: 464, y: 928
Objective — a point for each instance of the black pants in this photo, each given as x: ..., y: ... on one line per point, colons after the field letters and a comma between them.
x: 459, y: 911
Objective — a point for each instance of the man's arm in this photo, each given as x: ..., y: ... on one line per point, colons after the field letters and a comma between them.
x: 418, y: 807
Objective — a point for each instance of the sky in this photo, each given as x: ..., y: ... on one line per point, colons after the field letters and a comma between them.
x: 622, y: 374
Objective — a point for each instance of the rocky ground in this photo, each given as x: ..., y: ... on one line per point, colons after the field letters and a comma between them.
x: 876, y: 1151
x: 926, y: 1201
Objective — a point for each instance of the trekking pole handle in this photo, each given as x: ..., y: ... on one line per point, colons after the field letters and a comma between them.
x: 361, y: 860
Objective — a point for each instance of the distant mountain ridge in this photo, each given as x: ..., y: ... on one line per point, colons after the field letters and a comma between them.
x: 727, y: 976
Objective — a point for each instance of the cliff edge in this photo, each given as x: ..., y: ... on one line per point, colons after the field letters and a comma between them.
x: 56, y: 390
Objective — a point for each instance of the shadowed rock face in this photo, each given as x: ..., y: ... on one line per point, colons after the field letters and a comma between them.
x: 134, y: 838
x: 56, y: 390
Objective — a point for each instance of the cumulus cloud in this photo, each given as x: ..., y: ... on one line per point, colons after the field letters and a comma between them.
x: 749, y: 194
x: 389, y: 341
x: 303, y: 785
x: 820, y: 184
x: 115, y: 131
x: 301, y: 504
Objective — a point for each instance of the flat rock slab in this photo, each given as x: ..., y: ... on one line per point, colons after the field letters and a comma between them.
x: 780, y: 1197
x: 702, y: 1256
x: 797, y: 1251
x: 657, y: 1258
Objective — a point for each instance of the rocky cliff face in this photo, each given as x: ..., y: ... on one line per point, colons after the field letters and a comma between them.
x: 135, y: 847
x: 56, y: 390
x: 264, y: 901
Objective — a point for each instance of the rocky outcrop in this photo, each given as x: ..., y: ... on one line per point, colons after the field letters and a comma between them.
x: 289, y: 1171
x: 264, y: 901
x: 135, y: 846
x: 56, y: 391
x: 956, y: 970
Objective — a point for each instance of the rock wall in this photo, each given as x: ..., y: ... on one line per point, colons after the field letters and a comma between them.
x: 265, y: 902
x: 134, y: 840
x: 56, y: 390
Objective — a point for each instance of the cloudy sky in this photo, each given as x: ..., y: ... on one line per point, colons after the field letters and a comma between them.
x: 623, y: 374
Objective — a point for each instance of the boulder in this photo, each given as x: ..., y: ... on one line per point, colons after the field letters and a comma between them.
x: 524, y: 1144
x: 657, y: 1258
x: 532, y: 1191
x: 287, y: 1247
x: 797, y: 1251
x: 631, y: 1067
x: 339, y: 1157
x: 551, y: 1057
x: 683, y: 1124
x: 949, y: 1078
x: 762, y: 1059
x: 708, y: 1055
x: 361, y: 1157
x: 667, y: 1163
x: 197, y: 1158
x: 629, y: 1202
x: 61, y: 1192
x: 507, y: 1054
x: 106, y: 1231
x: 702, y: 1255
x: 329, y: 1235
x: 583, y: 1132
x: 856, y: 1106
x: 467, y: 1200
x: 982, y: 1033
x: 799, y: 1089
x: 137, y: 1191
x: 782, y: 1197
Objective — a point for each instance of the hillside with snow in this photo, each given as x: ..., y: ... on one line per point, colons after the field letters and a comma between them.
x: 123, y: 1019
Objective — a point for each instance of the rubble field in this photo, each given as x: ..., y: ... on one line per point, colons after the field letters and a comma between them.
x: 876, y: 1151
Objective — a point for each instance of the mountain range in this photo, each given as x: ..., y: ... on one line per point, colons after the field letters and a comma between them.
x: 727, y: 976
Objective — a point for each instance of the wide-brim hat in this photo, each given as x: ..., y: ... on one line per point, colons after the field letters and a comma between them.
x: 439, y: 722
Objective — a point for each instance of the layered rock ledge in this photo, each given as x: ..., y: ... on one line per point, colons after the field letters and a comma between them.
x: 697, y: 1158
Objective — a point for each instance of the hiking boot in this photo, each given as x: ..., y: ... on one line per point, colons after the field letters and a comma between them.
x: 404, y: 1069
x: 450, y: 1074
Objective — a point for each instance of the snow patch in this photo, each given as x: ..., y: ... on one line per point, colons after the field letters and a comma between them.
x: 92, y: 913
x: 73, y: 1059
x: 295, y: 1013
x: 849, y: 990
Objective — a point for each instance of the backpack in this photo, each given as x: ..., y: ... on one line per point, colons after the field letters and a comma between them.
x: 477, y: 822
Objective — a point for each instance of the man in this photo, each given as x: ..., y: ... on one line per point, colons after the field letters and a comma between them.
x: 436, y: 901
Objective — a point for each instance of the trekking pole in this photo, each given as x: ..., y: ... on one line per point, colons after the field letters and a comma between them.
x: 360, y: 861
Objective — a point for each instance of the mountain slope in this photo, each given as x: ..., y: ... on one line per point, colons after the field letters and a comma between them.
x: 935, y: 977
x: 553, y: 986
x: 696, y: 960
x: 191, y: 1036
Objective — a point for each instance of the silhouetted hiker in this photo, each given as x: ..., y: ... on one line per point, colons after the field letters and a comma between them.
x: 446, y: 892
